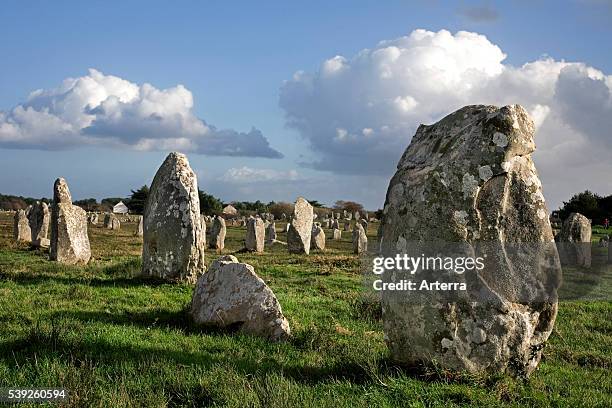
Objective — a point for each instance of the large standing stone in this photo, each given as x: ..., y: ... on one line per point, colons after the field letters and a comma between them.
x: 360, y: 239
x: 39, y: 218
x: 271, y: 233
x: 69, y: 241
x: 173, y: 248
x: 300, y: 230
x: 255, y: 234
x: 317, y: 239
x: 469, y: 179
x: 21, y: 227
x: 575, y: 240
x: 230, y: 294
x: 217, y: 234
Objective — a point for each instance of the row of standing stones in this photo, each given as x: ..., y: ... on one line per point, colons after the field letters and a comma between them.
x: 468, y: 178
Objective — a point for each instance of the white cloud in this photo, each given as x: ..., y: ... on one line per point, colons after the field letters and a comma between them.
x: 98, y: 109
x: 399, y: 84
x: 250, y: 175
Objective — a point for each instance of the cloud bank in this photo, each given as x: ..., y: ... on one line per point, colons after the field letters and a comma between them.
x: 105, y: 110
x: 358, y: 114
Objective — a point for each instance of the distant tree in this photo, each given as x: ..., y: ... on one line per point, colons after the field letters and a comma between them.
x: 280, y: 208
x: 585, y: 203
x: 209, y: 204
x: 11, y: 202
x: 250, y: 206
x: 315, y: 203
x: 88, y: 204
x: 138, y: 200
x: 108, y: 203
x: 378, y: 214
x: 349, y: 206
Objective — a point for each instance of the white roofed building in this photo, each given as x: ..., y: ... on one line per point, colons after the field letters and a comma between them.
x: 120, y: 208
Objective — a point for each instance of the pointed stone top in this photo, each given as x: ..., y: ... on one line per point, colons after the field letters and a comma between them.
x: 61, y: 193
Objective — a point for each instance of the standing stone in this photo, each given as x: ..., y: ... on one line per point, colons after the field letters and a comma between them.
x: 364, y: 224
x: 255, y: 235
x: 217, y: 233
x: 140, y: 228
x: 356, y: 215
x: 360, y: 239
x: 336, y: 234
x: 287, y: 226
x: 93, y: 219
x: 575, y: 241
x: 230, y: 294
x: 347, y: 226
x: 317, y: 239
x: 69, y: 241
x: 300, y: 229
x: 173, y: 248
x: 470, y: 180
x: 271, y: 233
x: 111, y: 222
x: 39, y: 218
x: 335, y: 224
x: 203, y: 220
x: 21, y: 227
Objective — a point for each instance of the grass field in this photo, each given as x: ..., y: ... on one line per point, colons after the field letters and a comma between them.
x: 115, y: 340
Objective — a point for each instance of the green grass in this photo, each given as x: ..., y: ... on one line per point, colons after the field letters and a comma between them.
x: 114, y: 339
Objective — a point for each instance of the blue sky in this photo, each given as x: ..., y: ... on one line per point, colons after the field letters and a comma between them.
x: 233, y: 57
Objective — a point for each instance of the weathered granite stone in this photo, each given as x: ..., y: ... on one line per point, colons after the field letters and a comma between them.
x: 364, y: 224
x: 255, y: 234
x: 300, y: 229
x: 347, y: 226
x: 336, y: 234
x: 69, y: 241
x: 93, y: 219
x: 317, y: 239
x: 203, y: 221
x: 230, y: 294
x: 575, y: 240
x: 271, y: 233
x: 469, y: 179
x: 360, y: 239
x: 39, y: 218
x: 21, y: 227
x: 140, y: 229
x: 173, y: 247
x: 217, y: 234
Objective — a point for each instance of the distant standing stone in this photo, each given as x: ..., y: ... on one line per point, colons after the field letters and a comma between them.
x: 300, y: 229
x: 255, y: 234
x: 347, y: 226
x: 230, y: 294
x: 203, y: 221
x: 69, y: 241
x: 336, y: 234
x: 575, y: 240
x: 317, y: 239
x: 39, y: 218
x: 173, y: 248
x: 360, y: 239
x: 217, y: 234
x: 21, y: 227
x: 140, y: 228
x: 271, y: 233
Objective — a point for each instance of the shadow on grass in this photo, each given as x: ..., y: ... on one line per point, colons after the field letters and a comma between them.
x: 122, y: 274
x: 54, y: 341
